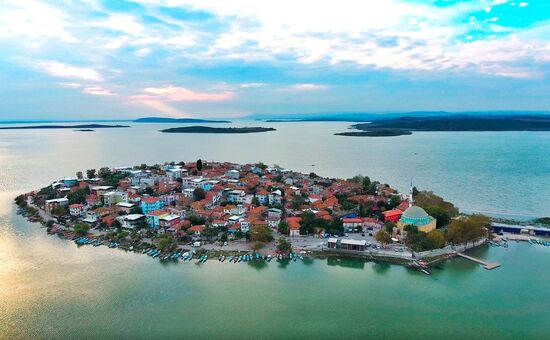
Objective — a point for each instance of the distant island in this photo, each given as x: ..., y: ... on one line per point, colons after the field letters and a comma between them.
x: 85, y: 130
x: 74, y: 127
x: 208, y: 129
x: 406, y: 125
x: 177, y: 120
x: 375, y: 133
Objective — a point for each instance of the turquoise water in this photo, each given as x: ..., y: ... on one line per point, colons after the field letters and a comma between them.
x: 49, y: 288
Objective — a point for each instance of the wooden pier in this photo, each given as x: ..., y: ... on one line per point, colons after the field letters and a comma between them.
x: 486, y: 265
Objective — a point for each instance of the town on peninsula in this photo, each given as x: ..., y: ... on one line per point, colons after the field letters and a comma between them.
x: 253, y: 212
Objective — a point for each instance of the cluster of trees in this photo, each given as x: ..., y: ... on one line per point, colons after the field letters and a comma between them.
x: 260, y: 235
x: 199, y: 194
x: 369, y: 186
x: 435, y: 206
x: 283, y: 245
x: 166, y: 243
x: 421, y: 241
x: 310, y: 223
x: 77, y: 196
x: 81, y: 229
x: 197, y: 220
x: 468, y: 229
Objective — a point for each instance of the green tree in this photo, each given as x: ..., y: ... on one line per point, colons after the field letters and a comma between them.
x: 261, y: 165
x: 77, y: 196
x: 81, y: 229
x: 199, y: 194
x: 199, y: 164
x: 437, y: 238
x: 104, y: 172
x: 255, y: 201
x: 283, y: 245
x: 136, y: 210
x: 79, y: 174
x: 336, y: 226
x: 166, y: 243
x: 283, y: 228
x: 383, y: 237
x: 442, y: 216
x: 468, y: 229
x: 90, y: 173
x: 260, y: 234
x: 59, y: 211
x: 297, y: 202
x: 389, y: 225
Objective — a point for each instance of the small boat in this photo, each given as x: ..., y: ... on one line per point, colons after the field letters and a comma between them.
x: 240, y: 258
x: 223, y: 258
x: 145, y: 250
x: 425, y: 271
x: 220, y: 258
x: 268, y: 259
x: 204, y: 258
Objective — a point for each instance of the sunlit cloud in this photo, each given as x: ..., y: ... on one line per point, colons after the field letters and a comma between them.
x: 175, y: 93
x: 252, y: 85
x: 309, y: 87
x: 97, y: 91
x: 61, y: 70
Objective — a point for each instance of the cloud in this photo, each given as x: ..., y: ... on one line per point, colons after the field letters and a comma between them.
x: 309, y: 87
x: 175, y: 93
x: 252, y: 85
x: 35, y: 21
x: 97, y: 91
x: 61, y: 70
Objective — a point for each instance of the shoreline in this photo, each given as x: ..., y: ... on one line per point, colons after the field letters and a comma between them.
x: 367, y: 256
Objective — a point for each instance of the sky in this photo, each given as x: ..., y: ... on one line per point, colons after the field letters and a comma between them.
x: 117, y: 59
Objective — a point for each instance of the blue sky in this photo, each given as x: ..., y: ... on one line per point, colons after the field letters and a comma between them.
x: 209, y: 58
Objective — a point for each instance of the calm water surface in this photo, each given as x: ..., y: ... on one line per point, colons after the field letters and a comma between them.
x: 49, y: 288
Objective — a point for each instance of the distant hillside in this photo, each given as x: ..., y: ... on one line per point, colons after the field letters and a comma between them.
x: 369, y: 116
x: 177, y: 120
x: 462, y: 123
x: 208, y: 129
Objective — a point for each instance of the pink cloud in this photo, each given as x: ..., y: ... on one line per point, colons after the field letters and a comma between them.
x: 175, y: 93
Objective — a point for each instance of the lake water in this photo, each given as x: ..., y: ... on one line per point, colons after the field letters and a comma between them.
x: 49, y: 288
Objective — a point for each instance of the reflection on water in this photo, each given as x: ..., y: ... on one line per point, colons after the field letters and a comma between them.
x: 346, y: 262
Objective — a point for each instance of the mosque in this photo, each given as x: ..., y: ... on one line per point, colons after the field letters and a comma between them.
x: 415, y: 215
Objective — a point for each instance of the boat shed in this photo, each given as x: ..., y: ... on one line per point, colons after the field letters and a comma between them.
x: 346, y: 244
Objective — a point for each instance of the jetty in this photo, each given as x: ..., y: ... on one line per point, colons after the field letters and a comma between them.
x: 486, y: 265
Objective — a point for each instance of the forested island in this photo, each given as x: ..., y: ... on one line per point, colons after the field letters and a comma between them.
x: 375, y: 133
x: 74, y: 127
x: 406, y: 125
x: 177, y: 120
x: 208, y: 129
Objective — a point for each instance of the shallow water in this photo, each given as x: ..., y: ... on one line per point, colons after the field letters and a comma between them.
x: 50, y: 288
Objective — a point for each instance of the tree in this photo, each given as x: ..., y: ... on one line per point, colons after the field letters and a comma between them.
x: 261, y: 165
x: 389, y: 225
x: 165, y: 243
x: 383, y: 237
x: 90, y: 173
x: 199, y: 164
x: 136, y: 210
x: 104, y: 172
x: 59, y: 210
x: 466, y: 229
x: 442, y: 216
x: 427, y: 199
x: 79, y: 174
x: 336, y: 226
x: 260, y: 233
x: 366, y: 183
x: 197, y: 220
x: 81, y: 229
x: 283, y: 227
x: 77, y: 196
x: 437, y: 238
x: 313, y: 175
x: 297, y: 202
x: 255, y: 201
x: 283, y: 245
x: 199, y: 194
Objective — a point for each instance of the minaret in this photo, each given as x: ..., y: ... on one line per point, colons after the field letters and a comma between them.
x: 411, y: 201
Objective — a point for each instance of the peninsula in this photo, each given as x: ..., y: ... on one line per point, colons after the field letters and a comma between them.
x: 208, y: 129
x: 251, y: 212
x: 406, y: 125
x: 74, y: 127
